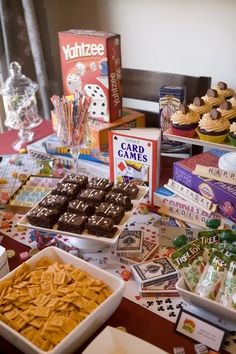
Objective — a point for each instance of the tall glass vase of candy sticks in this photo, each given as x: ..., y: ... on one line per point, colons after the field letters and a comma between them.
x: 72, y: 128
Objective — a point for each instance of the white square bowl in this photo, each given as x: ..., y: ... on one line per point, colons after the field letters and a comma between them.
x: 204, y: 303
x: 89, y: 325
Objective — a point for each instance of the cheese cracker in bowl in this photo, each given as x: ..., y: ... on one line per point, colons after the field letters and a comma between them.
x: 55, y: 301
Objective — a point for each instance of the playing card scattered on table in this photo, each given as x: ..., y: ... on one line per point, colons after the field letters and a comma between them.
x: 149, y: 272
x: 130, y: 242
x: 148, y: 249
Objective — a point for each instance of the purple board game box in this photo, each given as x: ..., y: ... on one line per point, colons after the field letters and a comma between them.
x: 221, y: 193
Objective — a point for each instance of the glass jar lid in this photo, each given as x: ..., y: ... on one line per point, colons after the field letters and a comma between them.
x: 17, y: 83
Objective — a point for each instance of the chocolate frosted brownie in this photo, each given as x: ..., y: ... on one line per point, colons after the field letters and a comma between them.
x: 80, y: 180
x: 100, y: 183
x: 68, y: 189
x: 119, y: 199
x: 116, y: 212
x: 129, y: 189
x: 55, y: 201
x: 92, y: 195
x: 72, y: 222
x: 100, y: 226
x: 80, y: 207
x: 44, y: 217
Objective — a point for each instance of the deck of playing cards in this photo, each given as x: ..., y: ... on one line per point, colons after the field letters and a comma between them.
x: 164, y: 287
x: 150, y: 272
x: 148, y: 250
x: 130, y: 242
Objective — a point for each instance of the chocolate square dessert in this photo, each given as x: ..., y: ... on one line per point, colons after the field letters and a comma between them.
x: 72, y: 222
x: 129, y: 189
x: 55, y: 201
x: 100, y: 226
x: 92, y: 195
x: 100, y: 183
x: 44, y: 217
x: 116, y: 212
x: 119, y: 199
x: 68, y: 189
x: 80, y: 180
x: 80, y: 207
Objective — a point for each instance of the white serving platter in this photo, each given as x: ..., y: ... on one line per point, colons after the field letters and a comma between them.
x: 85, y: 236
x: 204, y: 303
x: 89, y: 325
x: 112, y: 340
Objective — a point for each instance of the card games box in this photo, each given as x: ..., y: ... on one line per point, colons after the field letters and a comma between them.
x: 91, y: 61
x: 221, y: 193
x: 135, y: 155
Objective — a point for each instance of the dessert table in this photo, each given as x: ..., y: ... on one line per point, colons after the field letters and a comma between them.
x: 136, y: 319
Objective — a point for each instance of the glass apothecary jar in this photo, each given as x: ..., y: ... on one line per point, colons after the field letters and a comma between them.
x: 20, y: 104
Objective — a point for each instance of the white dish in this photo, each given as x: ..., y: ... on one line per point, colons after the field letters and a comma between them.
x: 112, y: 341
x: 89, y: 325
x: 204, y: 303
x: 85, y: 235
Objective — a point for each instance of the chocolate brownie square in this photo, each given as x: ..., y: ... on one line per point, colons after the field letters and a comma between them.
x: 100, y: 183
x: 100, y: 226
x: 44, y: 217
x: 55, y: 201
x: 116, y: 212
x: 80, y: 180
x: 119, y: 199
x: 80, y: 207
x: 92, y: 195
x: 129, y: 189
x: 72, y: 222
x: 68, y: 189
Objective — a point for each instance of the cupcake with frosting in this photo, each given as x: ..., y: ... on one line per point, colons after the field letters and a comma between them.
x: 227, y: 111
x: 184, y: 121
x: 233, y: 101
x: 232, y: 133
x: 212, y: 127
x: 200, y: 106
x: 213, y: 98
x: 223, y: 90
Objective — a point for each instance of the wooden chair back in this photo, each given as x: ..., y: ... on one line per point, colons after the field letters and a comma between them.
x: 145, y: 85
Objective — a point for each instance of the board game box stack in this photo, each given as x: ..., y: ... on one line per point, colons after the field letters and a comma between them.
x: 91, y: 61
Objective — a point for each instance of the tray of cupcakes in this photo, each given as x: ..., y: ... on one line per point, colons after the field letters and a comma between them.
x: 92, y: 209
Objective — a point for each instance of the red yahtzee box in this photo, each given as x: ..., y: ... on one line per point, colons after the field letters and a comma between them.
x: 91, y: 61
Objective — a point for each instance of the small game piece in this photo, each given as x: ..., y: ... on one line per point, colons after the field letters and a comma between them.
x: 179, y: 350
x: 200, y: 349
x: 24, y: 256
x: 10, y: 254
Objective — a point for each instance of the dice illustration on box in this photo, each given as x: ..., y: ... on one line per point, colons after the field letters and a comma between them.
x: 99, y: 101
x: 74, y: 83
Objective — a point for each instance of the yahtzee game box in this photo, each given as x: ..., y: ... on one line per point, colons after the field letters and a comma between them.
x: 91, y: 61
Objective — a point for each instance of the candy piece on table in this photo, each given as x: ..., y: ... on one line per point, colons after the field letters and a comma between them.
x: 10, y: 254
x: 24, y: 256
x: 3, y: 180
x: 228, y: 236
x: 213, y: 221
x: 23, y: 151
x: 180, y: 241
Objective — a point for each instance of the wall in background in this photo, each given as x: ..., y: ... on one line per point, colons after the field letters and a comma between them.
x: 194, y: 37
